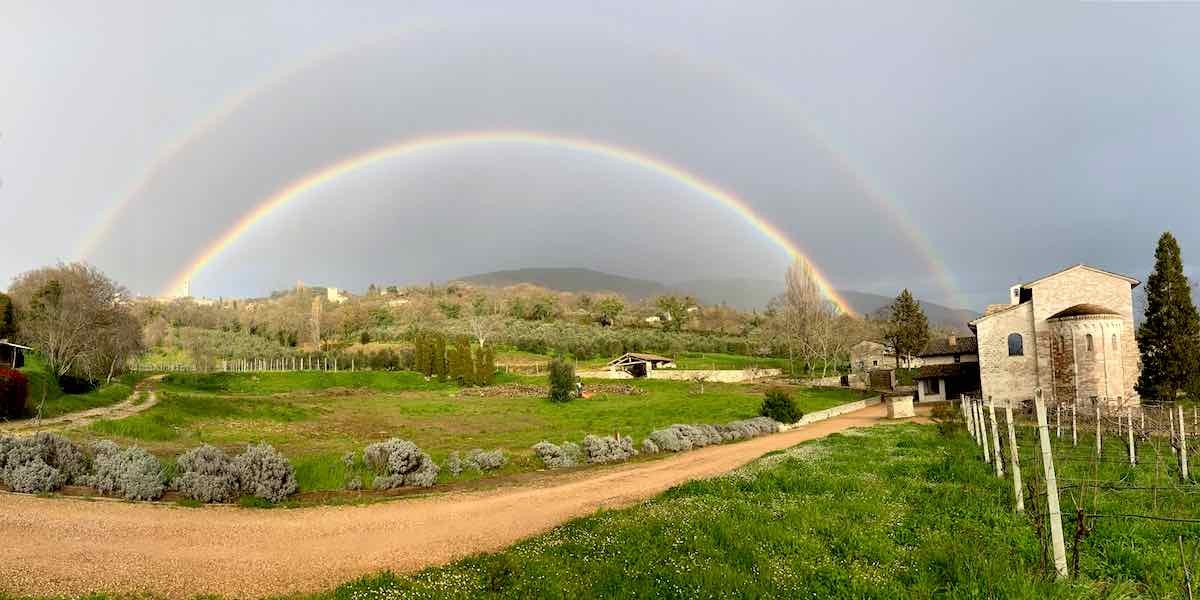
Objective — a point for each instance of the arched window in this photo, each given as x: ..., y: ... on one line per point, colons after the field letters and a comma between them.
x: 1090, y: 348
x: 1114, y: 341
x: 1016, y: 345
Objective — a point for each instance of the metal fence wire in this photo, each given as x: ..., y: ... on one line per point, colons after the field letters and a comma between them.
x: 1110, y: 461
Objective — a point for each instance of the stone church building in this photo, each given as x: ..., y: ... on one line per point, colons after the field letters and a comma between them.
x: 1070, y: 333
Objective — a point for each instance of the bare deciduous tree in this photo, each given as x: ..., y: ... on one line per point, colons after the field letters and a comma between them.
x: 78, y: 319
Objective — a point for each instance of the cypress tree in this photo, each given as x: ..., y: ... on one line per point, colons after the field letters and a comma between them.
x: 907, y: 329
x: 439, y: 357
x: 1169, y: 337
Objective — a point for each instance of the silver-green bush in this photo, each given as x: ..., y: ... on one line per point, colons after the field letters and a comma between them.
x: 264, y: 473
x: 40, y: 463
x: 132, y: 473
x: 608, y: 449
x: 454, y: 464
x: 399, y: 463
x: 34, y: 475
x: 649, y: 447
x: 552, y: 455
x: 486, y: 461
x: 207, y: 474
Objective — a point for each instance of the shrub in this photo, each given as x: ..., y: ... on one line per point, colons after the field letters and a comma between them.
x: 487, y: 461
x: 207, y: 474
x: 264, y: 473
x: 40, y: 463
x: 132, y: 473
x: 778, y: 405
x: 454, y: 464
x: 557, y: 457
x: 608, y: 449
x: 34, y: 475
x: 399, y: 463
x: 562, y: 380
x: 14, y: 389
x: 649, y: 447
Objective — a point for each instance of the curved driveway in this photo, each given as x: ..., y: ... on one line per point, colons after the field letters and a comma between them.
x: 54, y: 546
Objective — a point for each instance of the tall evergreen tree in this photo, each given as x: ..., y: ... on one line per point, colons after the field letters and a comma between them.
x: 439, y: 357
x: 1169, y: 337
x: 907, y: 329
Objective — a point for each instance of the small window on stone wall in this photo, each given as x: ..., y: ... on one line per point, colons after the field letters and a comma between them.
x: 1016, y: 345
x: 1114, y: 346
x: 1090, y: 347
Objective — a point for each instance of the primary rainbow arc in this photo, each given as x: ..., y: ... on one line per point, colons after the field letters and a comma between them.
x: 407, y: 147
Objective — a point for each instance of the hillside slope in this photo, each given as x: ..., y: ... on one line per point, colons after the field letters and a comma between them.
x: 741, y: 293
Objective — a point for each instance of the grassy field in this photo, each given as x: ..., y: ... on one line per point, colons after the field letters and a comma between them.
x: 315, y: 418
x: 891, y: 512
x: 58, y: 403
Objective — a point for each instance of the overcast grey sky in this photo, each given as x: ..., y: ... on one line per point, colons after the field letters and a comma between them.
x: 1014, y: 138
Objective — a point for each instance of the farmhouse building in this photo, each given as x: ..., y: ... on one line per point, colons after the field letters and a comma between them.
x: 639, y: 364
x: 949, y: 369
x: 1069, y: 333
x: 869, y: 355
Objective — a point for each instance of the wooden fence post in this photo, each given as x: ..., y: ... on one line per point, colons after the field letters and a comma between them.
x: 1074, y: 428
x: 1099, y: 437
x: 1132, y: 448
x: 965, y: 405
x: 1055, y: 513
x: 1058, y: 420
x: 995, y: 438
x: 1183, y: 466
x: 1015, y: 460
x: 987, y: 456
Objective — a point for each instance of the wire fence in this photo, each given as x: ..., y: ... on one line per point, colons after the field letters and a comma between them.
x: 1112, y: 463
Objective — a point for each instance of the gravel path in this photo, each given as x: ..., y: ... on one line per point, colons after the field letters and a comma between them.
x: 54, y: 546
x: 129, y: 406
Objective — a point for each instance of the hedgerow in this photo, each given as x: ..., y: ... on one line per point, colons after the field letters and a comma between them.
x: 14, y: 388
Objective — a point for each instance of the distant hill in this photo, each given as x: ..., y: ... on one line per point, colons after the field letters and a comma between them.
x: 572, y: 280
x: 742, y: 293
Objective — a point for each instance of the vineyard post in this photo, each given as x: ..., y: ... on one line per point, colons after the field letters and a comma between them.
x: 987, y: 456
x: 1074, y: 429
x: 1058, y: 421
x: 1129, y: 430
x: 1099, y: 438
x: 966, y: 402
x: 1183, y: 465
x: 1016, y: 462
x: 1055, y: 513
x: 995, y: 438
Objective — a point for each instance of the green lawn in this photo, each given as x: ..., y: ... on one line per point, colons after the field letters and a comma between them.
x: 58, y: 403
x: 891, y: 512
x: 315, y: 418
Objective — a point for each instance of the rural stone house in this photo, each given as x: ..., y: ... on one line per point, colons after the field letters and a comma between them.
x: 1069, y: 333
x: 949, y: 369
x: 869, y: 355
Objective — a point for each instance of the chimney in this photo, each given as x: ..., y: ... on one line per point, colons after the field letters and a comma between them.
x: 953, y: 341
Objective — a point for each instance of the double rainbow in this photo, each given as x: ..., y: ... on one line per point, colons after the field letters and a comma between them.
x: 478, y: 138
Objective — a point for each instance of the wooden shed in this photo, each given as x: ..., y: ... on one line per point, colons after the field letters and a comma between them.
x: 12, y: 355
x: 639, y: 364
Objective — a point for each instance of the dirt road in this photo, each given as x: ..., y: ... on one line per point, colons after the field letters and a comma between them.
x: 143, y: 397
x: 53, y: 546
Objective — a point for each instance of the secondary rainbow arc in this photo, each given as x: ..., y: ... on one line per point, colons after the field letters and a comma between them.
x: 285, y: 195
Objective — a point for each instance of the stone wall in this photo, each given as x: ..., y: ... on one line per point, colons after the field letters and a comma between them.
x: 1003, y: 377
x: 718, y: 376
x: 1079, y: 374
